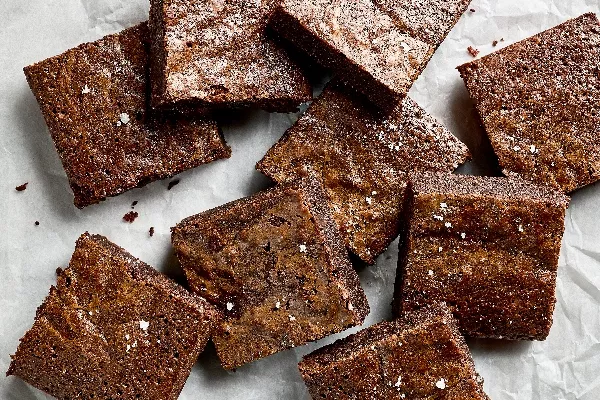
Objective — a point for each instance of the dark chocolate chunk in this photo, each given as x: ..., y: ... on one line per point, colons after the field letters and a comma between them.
x: 539, y: 102
x: 275, y: 265
x: 151, y: 231
x: 419, y: 356
x: 113, y: 327
x: 22, y: 187
x: 94, y: 100
x: 362, y: 159
x: 488, y: 247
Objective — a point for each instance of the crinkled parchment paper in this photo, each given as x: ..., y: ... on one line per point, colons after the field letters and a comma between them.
x: 566, y: 366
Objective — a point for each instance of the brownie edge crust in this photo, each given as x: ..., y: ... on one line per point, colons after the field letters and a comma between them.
x: 113, y: 327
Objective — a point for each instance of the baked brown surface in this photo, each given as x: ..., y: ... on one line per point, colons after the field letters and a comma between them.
x: 211, y: 54
x: 420, y: 356
x: 377, y: 54
x: 113, y: 327
x: 488, y: 247
x: 539, y: 102
x: 275, y: 265
x: 362, y: 158
x: 94, y: 101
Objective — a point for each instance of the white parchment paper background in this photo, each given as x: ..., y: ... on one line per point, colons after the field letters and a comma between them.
x: 566, y: 366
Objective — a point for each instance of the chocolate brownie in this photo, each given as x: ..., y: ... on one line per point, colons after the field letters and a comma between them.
x: 488, y: 247
x: 539, y: 102
x: 94, y: 100
x: 419, y: 356
x: 362, y: 158
x: 379, y: 54
x: 275, y: 265
x: 210, y: 54
x: 113, y: 328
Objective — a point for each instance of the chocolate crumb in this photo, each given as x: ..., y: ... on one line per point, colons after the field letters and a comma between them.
x: 134, y: 204
x: 472, y: 10
x: 22, y: 187
x: 59, y: 271
x: 473, y: 51
x: 130, y: 216
x: 37, y: 223
x: 151, y: 231
x: 495, y: 43
x: 173, y: 183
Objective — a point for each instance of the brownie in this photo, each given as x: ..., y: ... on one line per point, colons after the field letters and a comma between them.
x: 540, y: 105
x: 378, y: 54
x: 419, y: 356
x: 94, y: 101
x: 209, y: 54
x: 362, y: 158
x: 488, y: 247
x: 276, y: 267
x: 113, y: 328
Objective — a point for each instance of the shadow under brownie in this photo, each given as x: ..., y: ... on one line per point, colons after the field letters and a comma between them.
x: 94, y: 99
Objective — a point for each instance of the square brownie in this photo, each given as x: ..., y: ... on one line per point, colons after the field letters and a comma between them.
x: 539, y: 103
x: 362, y: 158
x: 113, y: 328
x: 208, y: 54
x: 378, y: 54
x: 275, y: 265
x: 488, y: 247
x: 419, y: 356
x: 94, y: 101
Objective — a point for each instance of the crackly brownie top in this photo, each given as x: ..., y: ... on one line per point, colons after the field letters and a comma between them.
x: 93, y: 98
x: 489, y: 247
x: 362, y: 159
x: 218, y: 52
x: 113, y: 327
x: 367, y: 37
x: 539, y: 101
x: 419, y: 355
x: 275, y: 265
x: 428, y: 20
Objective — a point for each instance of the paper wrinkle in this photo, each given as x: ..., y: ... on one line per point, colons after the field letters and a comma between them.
x: 566, y: 366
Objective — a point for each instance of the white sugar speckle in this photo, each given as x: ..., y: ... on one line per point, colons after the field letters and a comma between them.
x: 119, y: 123
x: 516, y: 148
x: 278, y: 305
x: 85, y: 90
x: 128, y: 348
x: 440, y: 249
x: 405, y: 46
x: 350, y: 307
x: 521, y: 228
x: 448, y: 225
x: 398, y: 382
x: 374, y: 193
x: 292, y: 318
x: 126, y: 337
x: 134, y: 344
x: 532, y: 149
x: 463, y: 235
x: 430, y: 272
x: 302, y: 248
x: 443, y: 205
x: 144, y: 325
x: 441, y: 384
x: 229, y: 306
x: 438, y: 217
x: 124, y: 117
x: 369, y: 200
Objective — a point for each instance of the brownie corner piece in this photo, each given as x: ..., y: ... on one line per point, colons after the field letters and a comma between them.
x: 362, y: 158
x: 488, y: 247
x: 113, y: 327
x: 420, y: 355
x: 94, y: 101
x: 218, y: 56
x: 538, y: 103
x: 275, y: 266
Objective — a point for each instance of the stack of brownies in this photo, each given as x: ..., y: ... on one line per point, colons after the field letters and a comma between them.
x: 363, y: 165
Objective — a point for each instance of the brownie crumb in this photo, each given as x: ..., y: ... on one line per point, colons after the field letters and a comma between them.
x: 59, y: 270
x: 22, y: 187
x: 173, y: 183
x: 151, y: 231
x: 473, y: 51
x: 130, y: 216
x: 37, y: 223
x: 134, y: 204
x: 495, y: 43
x: 472, y: 10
